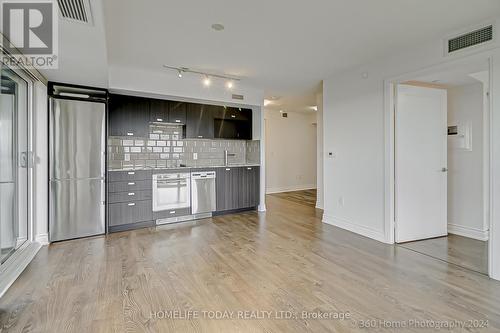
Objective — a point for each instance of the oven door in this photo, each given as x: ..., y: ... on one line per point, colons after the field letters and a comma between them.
x: 172, y: 192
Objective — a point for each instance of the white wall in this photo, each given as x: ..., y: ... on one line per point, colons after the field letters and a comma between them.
x: 290, y: 151
x: 82, y: 51
x: 356, y: 129
x: 319, y: 150
x: 465, y: 175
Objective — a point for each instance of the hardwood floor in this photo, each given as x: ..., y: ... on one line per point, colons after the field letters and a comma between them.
x: 282, y: 260
x: 305, y: 197
x: 462, y: 251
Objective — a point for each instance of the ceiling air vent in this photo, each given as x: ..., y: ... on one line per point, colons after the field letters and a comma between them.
x: 238, y: 97
x: 470, y: 39
x: 76, y: 10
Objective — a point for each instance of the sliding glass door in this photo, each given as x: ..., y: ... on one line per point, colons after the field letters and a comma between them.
x: 14, y: 159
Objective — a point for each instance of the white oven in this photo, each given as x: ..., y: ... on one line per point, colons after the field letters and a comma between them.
x: 171, y: 191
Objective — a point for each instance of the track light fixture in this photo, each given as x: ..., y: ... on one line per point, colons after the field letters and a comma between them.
x: 206, y: 76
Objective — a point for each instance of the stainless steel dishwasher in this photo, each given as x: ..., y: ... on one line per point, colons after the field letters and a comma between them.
x: 203, y: 197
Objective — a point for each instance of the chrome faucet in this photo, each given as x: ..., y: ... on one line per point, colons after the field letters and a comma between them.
x: 226, y: 157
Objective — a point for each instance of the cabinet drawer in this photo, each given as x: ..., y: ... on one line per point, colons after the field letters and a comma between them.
x: 129, y: 212
x: 165, y: 214
x: 121, y: 176
x: 129, y: 196
x: 133, y: 185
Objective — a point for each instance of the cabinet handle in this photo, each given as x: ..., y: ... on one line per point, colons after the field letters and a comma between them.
x: 200, y: 136
x: 131, y: 204
x: 159, y: 119
x: 131, y: 183
x: 130, y: 134
x: 172, y: 212
x: 131, y: 173
x: 177, y: 120
x: 249, y: 168
x: 233, y: 116
x: 227, y: 169
x: 131, y: 194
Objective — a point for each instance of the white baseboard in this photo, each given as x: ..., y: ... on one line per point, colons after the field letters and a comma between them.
x: 290, y: 188
x: 482, y: 235
x: 261, y: 208
x: 319, y: 205
x: 43, y: 239
x: 356, y: 228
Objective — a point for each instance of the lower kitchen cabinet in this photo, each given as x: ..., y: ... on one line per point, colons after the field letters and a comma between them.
x: 227, y: 188
x: 129, y: 212
x: 129, y: 200
x: 249, y: 187
x: 237, y: 188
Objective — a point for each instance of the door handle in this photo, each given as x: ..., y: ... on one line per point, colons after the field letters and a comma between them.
x: 444, y: 170
x: 24, y: 159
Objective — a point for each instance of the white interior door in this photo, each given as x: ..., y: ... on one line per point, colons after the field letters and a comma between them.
x: 420, y: 163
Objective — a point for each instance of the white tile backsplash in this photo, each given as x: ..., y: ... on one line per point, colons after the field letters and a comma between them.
x: 164, y: 147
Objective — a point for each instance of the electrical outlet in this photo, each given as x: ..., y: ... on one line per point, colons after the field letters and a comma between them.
x: 195, y: 156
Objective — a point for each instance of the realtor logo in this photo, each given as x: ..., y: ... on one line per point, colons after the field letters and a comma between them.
x: 30, y: 30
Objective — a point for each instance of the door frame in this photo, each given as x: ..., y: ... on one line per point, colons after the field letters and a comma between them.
x: 16, y: 263
x: 30, y: 153
x: 389, y: 152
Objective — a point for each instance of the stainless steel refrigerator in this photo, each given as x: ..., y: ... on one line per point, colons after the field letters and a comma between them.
x: 77, y: 146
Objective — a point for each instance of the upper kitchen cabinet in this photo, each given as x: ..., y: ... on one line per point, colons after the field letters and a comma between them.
x: 158, y: 110
x: 238, y: 114
x: 233, y: 123
x: 177, y: 112
x: 128, y: 116
x: 199, y: 121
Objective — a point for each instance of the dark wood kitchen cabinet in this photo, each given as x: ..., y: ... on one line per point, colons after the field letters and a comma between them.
x: 237, y: 188
x: 129, y: 200
x: 233, y: 123
x: 249, y: 187
x: 158, y: 110
x: 128, y: 116
x: 177, y: 112
x: 199, y: 121
x: 227, y: 183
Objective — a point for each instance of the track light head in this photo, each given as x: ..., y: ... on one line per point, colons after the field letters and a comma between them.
x: 206, y: 81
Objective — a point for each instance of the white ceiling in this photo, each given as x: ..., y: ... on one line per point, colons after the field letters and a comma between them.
x: 284, y: 47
